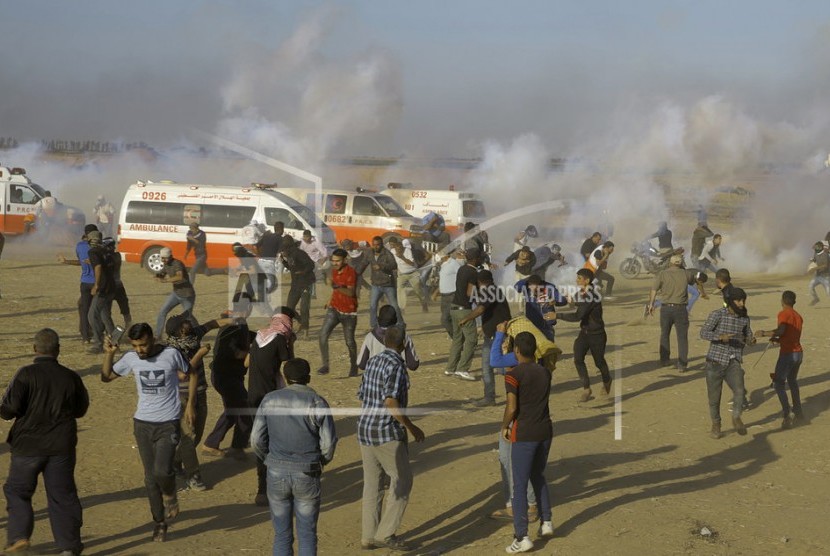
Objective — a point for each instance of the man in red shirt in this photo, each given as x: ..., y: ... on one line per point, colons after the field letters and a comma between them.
x: 341, y: 309
x: 788, y: 337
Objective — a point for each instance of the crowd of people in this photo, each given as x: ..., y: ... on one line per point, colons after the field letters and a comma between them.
x: 289, y: 425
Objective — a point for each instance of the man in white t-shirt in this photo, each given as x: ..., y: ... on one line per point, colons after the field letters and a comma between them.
x: 156, y: 423
x: 408, y: 273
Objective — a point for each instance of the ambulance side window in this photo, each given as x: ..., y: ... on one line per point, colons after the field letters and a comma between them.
x: 22, y: 195
x: 282, y: 215
x: 365, y: 206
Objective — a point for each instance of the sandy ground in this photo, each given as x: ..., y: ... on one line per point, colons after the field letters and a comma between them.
x: 650, y: 492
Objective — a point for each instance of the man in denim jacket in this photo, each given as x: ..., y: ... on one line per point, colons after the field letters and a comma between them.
x: 294, y: 433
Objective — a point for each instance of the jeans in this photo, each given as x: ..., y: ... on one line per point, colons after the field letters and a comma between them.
x: 414, y: 281
x: 157, y: 447
x: 506, y: 465
x: 705, y: 264
x: 824, y: 281
x: 349, y: 322
x: 236, y: 414
x: 294, y: 495
x: 83, y: 311
x: 65, y: 513
x: 300, y: 293
x: 464, y: 340
x: 191, y: 436
x: 595, y: 343
x: 172, y: 301
x: 487, y: 376
x: 446, y: 320
x: 391, y: 294
x: 199, y: 265
x: 529, y: 460
x: 391, y: 458
x: 677, y: 316
x: 100, y: 317
x: 716, y: 374
x: 786, y: 373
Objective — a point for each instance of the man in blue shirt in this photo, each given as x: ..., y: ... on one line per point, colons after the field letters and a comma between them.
x: 434, y: 228
x: 294, y: 434
x: 87, y: 282
x: 541, y: 298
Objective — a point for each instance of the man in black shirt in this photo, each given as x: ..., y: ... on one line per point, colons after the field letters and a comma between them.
x: 303, y: 277
x: 119, y: 292
x: 197, y: 242
x: 663, y: 235
x: 384, y: 278
x: 492, y: 307
x: 592, y: 336
x: 590, y: 244
x: 103, y: 291
x: 268, y: 246
x: 464, y: 336
x: 183, y: 293
x: 44, y: 398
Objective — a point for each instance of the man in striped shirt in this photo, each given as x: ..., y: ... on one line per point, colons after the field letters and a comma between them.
x: 382, y: 434
x: 728, y: 331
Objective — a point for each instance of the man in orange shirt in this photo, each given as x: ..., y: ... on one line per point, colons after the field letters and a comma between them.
x: 791, y: 354
x: 341, y: 309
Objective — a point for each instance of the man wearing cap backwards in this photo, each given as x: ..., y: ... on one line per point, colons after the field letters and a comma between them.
x: 294, y: 433
x: 87, y: 281
x: 183, y: 294
x: 671, y: 284
x: 728, y: 331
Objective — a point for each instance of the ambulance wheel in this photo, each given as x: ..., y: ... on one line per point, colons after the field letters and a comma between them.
x: 151, y: 260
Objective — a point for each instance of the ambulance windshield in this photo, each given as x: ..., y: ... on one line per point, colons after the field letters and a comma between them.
x: 391, y: 206
x: 474, y: 209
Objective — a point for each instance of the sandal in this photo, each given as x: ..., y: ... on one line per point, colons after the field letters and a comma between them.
x: 171, y: 508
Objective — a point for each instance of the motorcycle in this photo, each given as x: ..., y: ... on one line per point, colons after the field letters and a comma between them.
x: 646, y: 257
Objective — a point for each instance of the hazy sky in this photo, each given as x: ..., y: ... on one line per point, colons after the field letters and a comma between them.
x: 384, y: 77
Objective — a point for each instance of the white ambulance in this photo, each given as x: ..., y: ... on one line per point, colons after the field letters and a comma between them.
x: 18, y: 203
x: 456, y: 207
x: 158, y: 214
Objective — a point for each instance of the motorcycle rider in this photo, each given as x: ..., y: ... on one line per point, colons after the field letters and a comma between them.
x: 663, y: 235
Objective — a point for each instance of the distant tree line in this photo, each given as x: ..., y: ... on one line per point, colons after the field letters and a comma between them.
x: 69, y: 146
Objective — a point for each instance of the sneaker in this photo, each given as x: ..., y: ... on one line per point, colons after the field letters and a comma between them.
x: 787, y: 423
x: 18, y: 547
x: 160, y: 532
x: 449, y: 373
x: 393, y: 543
x: 195, y: 483
x: 324, y: 370
x: 524, y: 545
x: 261, y: 500
x: 608, y: 298
x: 546, y: 530
x: 465, y: 375
x: 95, y: 349
x: 484, y: 402
x: 213, y: 452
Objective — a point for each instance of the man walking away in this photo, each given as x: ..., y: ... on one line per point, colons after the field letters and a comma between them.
x: 374, y: 342
x: 294, y: 433
x: 44, y: 398
x: 464, y: 337
x: 183, y: 293
x: 382, y: 433
x: 103, y: 291
x: 790, y: 356
x: 671, y: 285
x: 197, y: 242
x: 301, y: 267
x: 384, y: 280
x: 341, y: 309
x: 822, y: 271
x: 157, y: 370
x: 527, y: 424
x: 728, y: 332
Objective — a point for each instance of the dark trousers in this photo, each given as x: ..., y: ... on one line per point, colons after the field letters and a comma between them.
x: 677, y: 316
x: 123, y: 301
x: 529, y: 460
x: 65, y: 513
x: 157, y: 444
x: 235, y: 416
x: 261, y: 468
x: 595, y: 343
x: 786, y: 374
x: 446, y: 320
x: 83, y: 311
x: 606, y: 280
x: 191, y: 436
x: 100, y: 317
x: 300, y: 292
x: 348, y: 322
